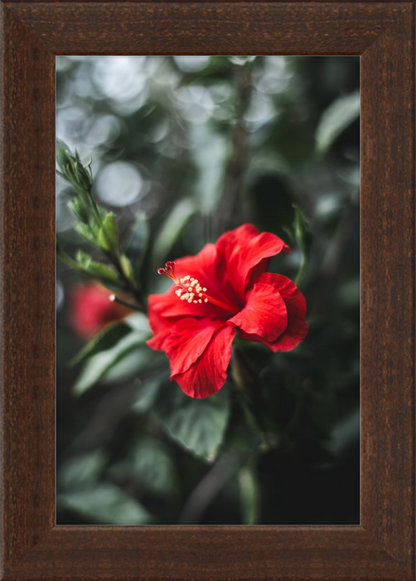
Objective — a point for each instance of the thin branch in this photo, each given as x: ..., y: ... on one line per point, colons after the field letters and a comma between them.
x: 239, y: 151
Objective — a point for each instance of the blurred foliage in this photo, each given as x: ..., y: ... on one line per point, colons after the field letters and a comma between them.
x: 184, y: 148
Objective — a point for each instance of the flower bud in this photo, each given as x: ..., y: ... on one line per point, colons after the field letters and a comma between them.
x: 91, y: 310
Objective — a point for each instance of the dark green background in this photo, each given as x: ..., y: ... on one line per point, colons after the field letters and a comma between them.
x: 195, y: 146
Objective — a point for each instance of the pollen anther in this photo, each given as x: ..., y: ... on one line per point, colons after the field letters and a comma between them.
x: 188, y: 288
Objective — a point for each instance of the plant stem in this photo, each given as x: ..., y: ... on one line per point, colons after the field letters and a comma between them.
x: 114, y: 257
x: 116, y: 299
x: 128, y: 286
x: 237, y: 162
x: 243, y: 384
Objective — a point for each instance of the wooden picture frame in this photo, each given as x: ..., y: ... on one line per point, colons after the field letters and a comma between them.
x: 382, y: 547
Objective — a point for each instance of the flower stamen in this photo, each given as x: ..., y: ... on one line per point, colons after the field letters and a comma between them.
x: 190, y: 290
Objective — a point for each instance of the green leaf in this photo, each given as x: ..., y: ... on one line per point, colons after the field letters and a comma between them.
x: 108, y: 234
x: 82, y: 470
x: 301, y: 230
x: 148, y: 392
x: 171, y: 230
x: 86, y: 232
x: 127, y: 267
x: 137, y: 245
x: 81, y: 211
x: 103, y: 341
x: 101, y: 363
x: 105, y: 504
x: 303, y: 238
x: 341, y: 113
x: 149, y: 463
x: 84, y: 264
x: 134, y: 365
x: 95, y: 269
x: 197, y: 424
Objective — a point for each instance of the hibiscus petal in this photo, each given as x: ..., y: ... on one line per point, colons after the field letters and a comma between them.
x: 297, y: 327
x: 185, y: 341
x: 200, y: 266
x: 241, y: 250
x: 294, y: 299
x: 264, y: 313
x: 209, y: 373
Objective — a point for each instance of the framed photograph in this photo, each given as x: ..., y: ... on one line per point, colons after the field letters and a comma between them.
x: 208, y: 292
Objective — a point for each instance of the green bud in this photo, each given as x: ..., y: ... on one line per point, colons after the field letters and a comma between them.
x: 71, y: 167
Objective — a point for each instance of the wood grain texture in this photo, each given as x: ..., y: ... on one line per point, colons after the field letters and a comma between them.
x: 388, y: 292
x: 239, y: 553
x: 208, y: 28
x: 28, y: 289
x: 383, y: 547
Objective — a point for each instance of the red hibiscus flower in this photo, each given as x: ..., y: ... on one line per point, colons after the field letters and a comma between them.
x: 223, y: 290
x: 92, y: 309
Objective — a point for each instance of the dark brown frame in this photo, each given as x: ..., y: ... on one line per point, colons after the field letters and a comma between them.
x: 383, y: 546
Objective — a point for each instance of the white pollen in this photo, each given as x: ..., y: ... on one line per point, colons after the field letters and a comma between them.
x: 194, y: 282
x: 199, y: 301
x: 205, y: 300
x: 189, y: 300
x: 200, y: 295
x: 195, y: 302
x: 190, y: 289
x: 185, y: 297
x: 204, y: 290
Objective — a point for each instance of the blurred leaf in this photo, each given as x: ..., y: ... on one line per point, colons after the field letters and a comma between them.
x: 198, y: 424
x: 346, y: 433
x: 138, y: 322
x: 137, y: 245
x: 127, y: 267
x: 135, y: 364
x: 250, y: 495
x: 148, y: 392
x: 82, y: 470
x: 335, y: 119
x: 106, y: 504
x: 302, y: 231
x: 94, y: 269
x: 349, y: 292
x: 108, y: 234
x: 171, y: 230
x: 103, y: 341
x: 150, y: 465
x: 303, y: 238
x: 101, y: 363
x: 86, y: 232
